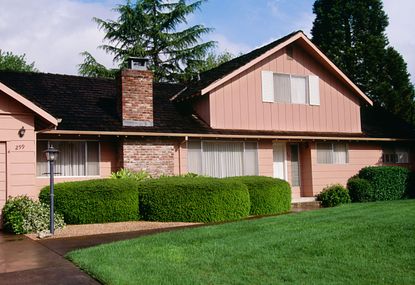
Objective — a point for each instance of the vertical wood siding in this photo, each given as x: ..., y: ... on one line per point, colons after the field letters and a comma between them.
x: 237, y: 104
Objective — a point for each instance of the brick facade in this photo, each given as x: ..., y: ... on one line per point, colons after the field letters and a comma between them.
x: 136, y: 97
x: 154, y: 156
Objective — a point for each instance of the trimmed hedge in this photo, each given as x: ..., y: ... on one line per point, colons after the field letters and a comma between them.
x: 268, y: 195
x: 360, y: 190
x: 333, y: 195
x: 388, y: 182
x: 193, y: 199
x: 95, y: 201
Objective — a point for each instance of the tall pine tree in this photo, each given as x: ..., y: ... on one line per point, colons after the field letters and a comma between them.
x: 352, y: 34
x: 149, y: 28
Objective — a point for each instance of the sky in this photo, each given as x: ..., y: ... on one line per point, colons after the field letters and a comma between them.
x: 53, y: 33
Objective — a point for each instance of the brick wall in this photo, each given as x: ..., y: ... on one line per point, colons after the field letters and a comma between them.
x: 154, y: 156
x: 137, y: 97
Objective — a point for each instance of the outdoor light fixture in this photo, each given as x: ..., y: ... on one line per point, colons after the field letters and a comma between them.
x: 21, y: 132
x: 51, y: 155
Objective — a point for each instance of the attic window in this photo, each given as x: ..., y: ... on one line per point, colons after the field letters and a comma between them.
x: 290, y: 52
x: 291, y: 89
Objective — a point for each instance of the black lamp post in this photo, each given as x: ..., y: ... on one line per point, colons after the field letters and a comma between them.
x: 51, y: 154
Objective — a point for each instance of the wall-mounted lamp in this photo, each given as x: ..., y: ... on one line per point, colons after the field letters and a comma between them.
x: 21, y: 132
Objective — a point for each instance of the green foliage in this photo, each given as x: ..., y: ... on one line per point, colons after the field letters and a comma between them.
x: 197, y: 199
x: 360, y: 190
x: 268, y: 195
x: 11, y: 62
x: 91, y: 68
x: 388, y: 182
x: 150, y: 28
x: 333, y: 195
x: 352, y: 34
x: 22, y: 215
x: 126, y: 173
x: 95, y: 201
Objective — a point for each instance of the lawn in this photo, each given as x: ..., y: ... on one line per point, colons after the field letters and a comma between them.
x: 370, y: 243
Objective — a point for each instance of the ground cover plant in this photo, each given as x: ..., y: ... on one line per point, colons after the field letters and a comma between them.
x: 365, y: 243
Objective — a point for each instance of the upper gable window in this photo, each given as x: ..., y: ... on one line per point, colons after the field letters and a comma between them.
x: 292, y: 89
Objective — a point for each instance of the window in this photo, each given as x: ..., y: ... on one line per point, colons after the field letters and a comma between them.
x: 75, y: 158
x: 286, y: 88
x: 332, y: 153
x: 395, y: 155
x: 222, y: 159
x: 295, y: 165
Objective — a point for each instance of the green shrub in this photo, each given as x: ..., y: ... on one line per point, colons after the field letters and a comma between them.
x: 333, y: 195
x: 388, y: 182
x: 268, y: 195
x: 129, y: 174
x: 197, y: 199
x: 22, y: 215
x: 95, y: 201
x: 360, y: 190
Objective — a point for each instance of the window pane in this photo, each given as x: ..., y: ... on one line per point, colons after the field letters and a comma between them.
x: 298, y: 90
x: 282, y: 88
x: 340, y: 153
x: 93, y: 158
x: 41, y: 162
x: 402, y: 155
x: 222, y: 159
x: 251, y: 158
x: 295, y: 165
x: 194, y: 157
x: 324, y: 153
x: 71, y: 158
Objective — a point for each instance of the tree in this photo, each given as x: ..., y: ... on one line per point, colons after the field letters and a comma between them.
x: 91, y: 68
x: 149, y: 28
x: 12, y: 62
x: 352, y: 34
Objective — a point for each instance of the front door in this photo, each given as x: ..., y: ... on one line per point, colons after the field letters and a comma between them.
x: 280, y: 168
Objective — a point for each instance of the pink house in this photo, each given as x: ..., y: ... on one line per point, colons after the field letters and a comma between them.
x: 283, y: 110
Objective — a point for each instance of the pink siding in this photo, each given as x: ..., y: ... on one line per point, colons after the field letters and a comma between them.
x: 180, y: 158
x: 238, y: 104
x: 18, y: 162
x: 265, y: 158
x: 360, y: 155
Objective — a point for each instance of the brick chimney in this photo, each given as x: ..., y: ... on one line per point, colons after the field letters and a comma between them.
x: 136, y: 84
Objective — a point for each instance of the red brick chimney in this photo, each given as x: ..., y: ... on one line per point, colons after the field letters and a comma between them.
x: 136, y: 94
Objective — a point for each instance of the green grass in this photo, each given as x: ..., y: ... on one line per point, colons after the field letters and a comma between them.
x: 371, y: 243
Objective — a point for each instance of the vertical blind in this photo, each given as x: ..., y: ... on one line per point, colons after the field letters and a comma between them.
x: 222, y: 159
x: 75, y: 158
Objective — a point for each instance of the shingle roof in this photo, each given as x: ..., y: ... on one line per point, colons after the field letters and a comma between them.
x: 208, y: 77
x: 89, y: 104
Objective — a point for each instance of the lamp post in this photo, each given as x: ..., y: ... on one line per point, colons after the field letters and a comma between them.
x: 51, y: 154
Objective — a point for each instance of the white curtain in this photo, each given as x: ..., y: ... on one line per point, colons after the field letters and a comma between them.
x: 324, y: 153
x: 194, y: 157
x: 92, y: 152
x: 222, y: 159
x: 295, y: 165
x: 41, y: 162
x: 251, y: 158
x: 298, y: 90
x: 282, y: 88
x: 339, y: 153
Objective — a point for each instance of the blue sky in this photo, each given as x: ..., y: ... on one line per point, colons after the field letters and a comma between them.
x: 53, y: 32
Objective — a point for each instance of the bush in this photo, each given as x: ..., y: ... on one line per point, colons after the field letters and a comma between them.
x: 95, y: 201
x: 333, y: 195
x: 129, y: 174
x: 197, y: 199
x: 22, y: 215
x: 268, y: 195
x: 360, y: 190
x: 388, y: 182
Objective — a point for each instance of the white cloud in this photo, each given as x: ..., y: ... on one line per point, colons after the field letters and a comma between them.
x: 399, y: 31
x: 53, y: 33
x: 225, y: 44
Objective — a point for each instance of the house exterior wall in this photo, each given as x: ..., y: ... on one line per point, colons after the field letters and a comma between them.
x: 17, y: 154
x: 237, y: 104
